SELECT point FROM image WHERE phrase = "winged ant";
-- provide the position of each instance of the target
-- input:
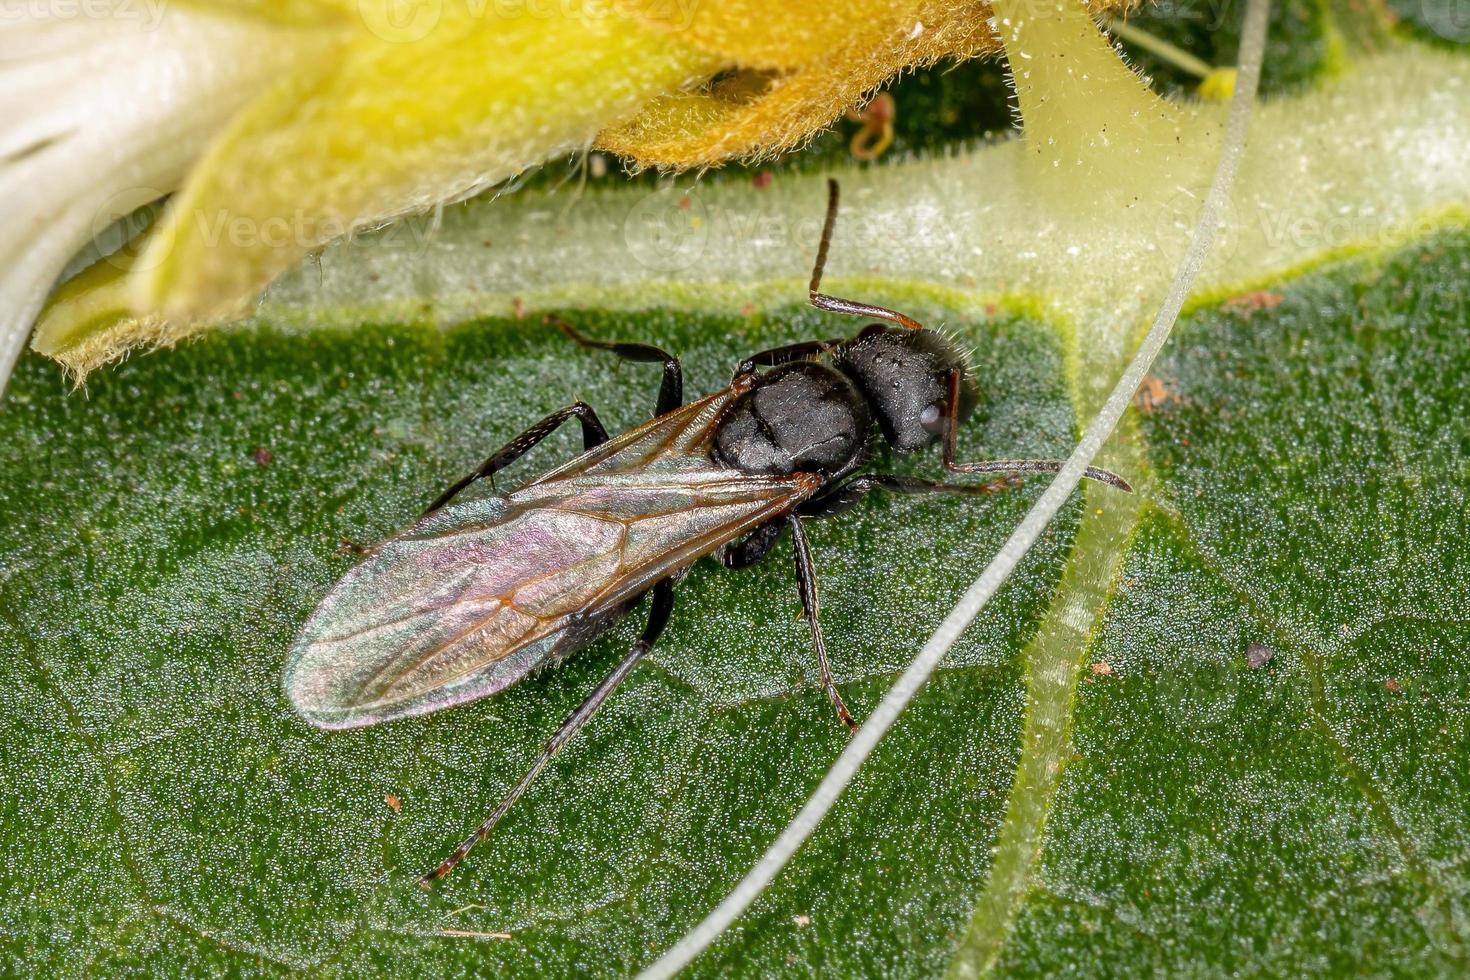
(474, 595)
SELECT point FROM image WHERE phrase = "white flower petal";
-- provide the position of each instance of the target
(104, 112)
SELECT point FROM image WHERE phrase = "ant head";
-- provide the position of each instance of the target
(904, 375)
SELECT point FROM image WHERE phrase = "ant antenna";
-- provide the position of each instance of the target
(835, 304)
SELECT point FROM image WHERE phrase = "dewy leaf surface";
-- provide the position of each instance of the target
(1306, 816)
(157, 571)
(165, 534)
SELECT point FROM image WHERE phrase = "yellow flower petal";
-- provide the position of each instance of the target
(391, 127)
(104, 113)
(873, 44)
(817, 61)
(408, 104)
(89, 320)
(760, 34)
(295, 12)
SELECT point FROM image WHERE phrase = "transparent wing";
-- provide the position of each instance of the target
(469, 600)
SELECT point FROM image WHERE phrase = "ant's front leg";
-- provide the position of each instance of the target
(951, 428)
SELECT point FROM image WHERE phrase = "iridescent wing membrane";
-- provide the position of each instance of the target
(471, 598)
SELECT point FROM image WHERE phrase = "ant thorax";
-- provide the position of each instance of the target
(799, 417)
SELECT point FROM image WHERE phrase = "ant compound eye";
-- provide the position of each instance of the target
(929, 415)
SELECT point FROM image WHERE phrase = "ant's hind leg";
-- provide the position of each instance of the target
(670, 390)
(658, 618)
(806, 580)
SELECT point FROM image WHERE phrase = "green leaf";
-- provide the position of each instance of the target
(157, 571)
(166, 533)
(166, 807)
(1310, 815)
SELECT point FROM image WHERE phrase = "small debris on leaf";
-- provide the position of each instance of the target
(1151, 393)
(802, 920)
(471, 934)
(1258, 655)
(1247, 304)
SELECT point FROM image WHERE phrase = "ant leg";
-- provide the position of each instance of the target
(753, 547)
(835, 304)
(806, 580)
(658, 618)
(593, 434)
(785, 354)
(843, 498)
(951, 427)
(670, 390)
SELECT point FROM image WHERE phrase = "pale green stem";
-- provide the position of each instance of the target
(1016, 547)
